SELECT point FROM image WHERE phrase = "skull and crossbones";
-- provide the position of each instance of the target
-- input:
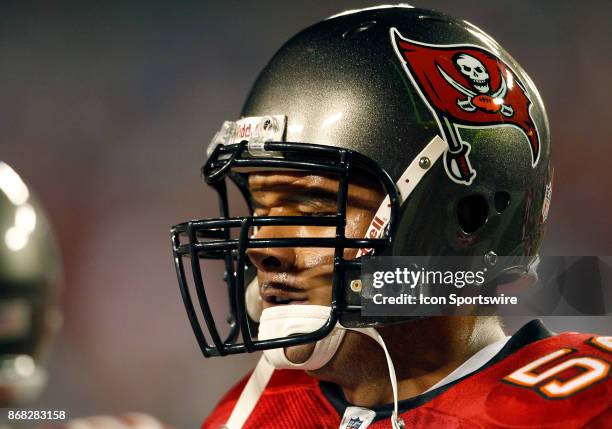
(475, 72)
(479, 95)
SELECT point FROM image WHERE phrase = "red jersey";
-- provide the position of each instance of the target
(538, 380)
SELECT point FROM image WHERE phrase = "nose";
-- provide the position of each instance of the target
(272, 258)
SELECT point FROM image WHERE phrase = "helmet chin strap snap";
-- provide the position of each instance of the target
(286, 320)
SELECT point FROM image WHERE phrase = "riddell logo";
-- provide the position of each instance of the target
(243, 131)
(376, 228)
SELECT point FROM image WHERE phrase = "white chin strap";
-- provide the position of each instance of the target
(285, 320)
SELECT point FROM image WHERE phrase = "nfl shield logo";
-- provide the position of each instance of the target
(354, 423)
(357, 418)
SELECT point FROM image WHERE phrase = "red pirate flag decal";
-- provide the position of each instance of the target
(466, 86)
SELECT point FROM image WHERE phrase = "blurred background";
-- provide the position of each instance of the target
(106, 110)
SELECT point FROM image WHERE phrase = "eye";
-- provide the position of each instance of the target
(478, 69)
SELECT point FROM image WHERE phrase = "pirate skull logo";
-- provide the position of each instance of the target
(474, 71)
(480, 96)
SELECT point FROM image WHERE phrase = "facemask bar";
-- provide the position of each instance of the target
(220, 245)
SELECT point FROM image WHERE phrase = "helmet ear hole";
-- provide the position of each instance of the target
(472, 212)
(502, 201)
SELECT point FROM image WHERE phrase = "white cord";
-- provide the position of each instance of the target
(250, 394)
(396, 421)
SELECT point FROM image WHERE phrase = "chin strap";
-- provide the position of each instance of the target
(396, 420)
(250, 394)
(286, 320)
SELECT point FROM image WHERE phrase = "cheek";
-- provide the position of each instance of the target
(314, 231)
(310, 257)
(320, 295)
(357, 222)
(314, 257)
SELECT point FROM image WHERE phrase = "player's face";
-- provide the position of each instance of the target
(289, 276)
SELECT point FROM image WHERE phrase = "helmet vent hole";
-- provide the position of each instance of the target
(502, 201)
(472, 212)
(358, 30)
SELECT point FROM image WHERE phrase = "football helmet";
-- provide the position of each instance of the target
(30, 276)
(430, 106)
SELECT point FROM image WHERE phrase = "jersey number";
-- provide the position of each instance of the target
(548, 383)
